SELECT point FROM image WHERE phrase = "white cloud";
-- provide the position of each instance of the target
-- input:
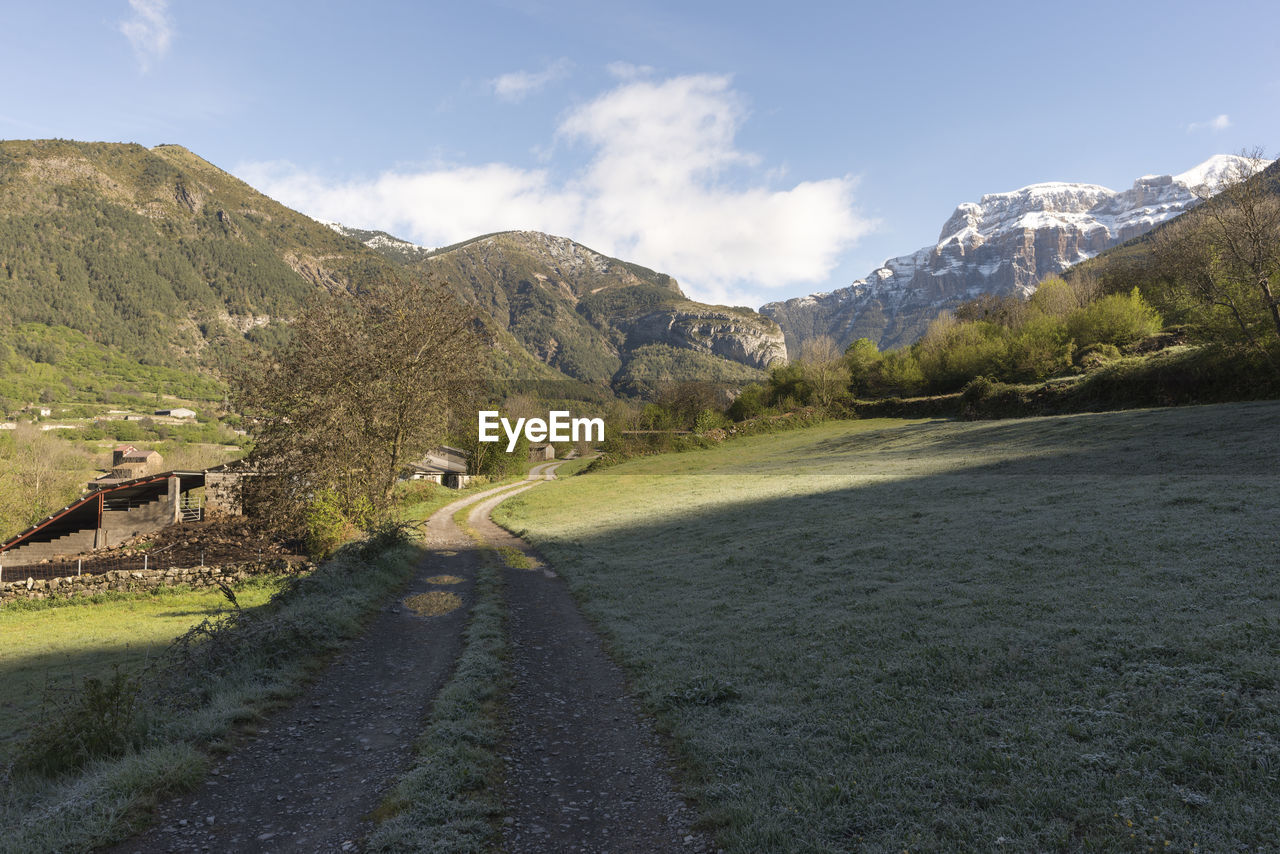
(627, 71)
(1217, 123)
(149, 30)
(663, 185)
(518, 84)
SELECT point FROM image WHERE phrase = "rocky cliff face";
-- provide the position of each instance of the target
(1003, 244)
(712, 330)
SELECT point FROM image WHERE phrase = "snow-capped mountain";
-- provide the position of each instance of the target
(382, 241)
(1003, 244)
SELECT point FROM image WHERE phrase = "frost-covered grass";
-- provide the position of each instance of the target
(48, 647)
(193, 696)
(1048, 634)
(449, 801)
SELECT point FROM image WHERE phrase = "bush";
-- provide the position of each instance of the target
(1096, 355)
(1040, 348)
(897, 373)
(952, 353)
(751, 402)
(861, 357)
(1118, 319)
(100, 721)
(708, 420)
(328, 526)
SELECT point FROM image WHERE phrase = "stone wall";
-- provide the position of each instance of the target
(134, 580)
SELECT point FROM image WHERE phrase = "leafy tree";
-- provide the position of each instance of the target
(951, 353)
(898, 373)
(1227, 254)
(1039, 348)
(1119, 319)
(861, 358)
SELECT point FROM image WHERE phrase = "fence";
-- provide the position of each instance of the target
(86, 566)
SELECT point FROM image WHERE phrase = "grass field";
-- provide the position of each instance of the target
(1047, 634)
(48, 650)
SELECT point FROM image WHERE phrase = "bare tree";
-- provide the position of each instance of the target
(367, 384)
(1239, 249)
(824, 370)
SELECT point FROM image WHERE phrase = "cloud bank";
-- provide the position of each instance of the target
(148, 30)
(664, 185)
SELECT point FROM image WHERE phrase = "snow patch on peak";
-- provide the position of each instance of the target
(1218, 169)
(378, 239)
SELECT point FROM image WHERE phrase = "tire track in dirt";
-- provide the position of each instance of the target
(313, 772)
(585, 771)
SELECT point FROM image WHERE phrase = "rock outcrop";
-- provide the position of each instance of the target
(728, 333)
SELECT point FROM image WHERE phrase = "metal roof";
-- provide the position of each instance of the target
(82, 513)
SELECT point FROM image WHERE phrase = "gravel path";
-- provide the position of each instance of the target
(585, 771)
(310, 776)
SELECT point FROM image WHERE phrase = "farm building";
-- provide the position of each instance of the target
(542, 453)
(180, 412)
(134, 497)
(128, 463)
(443, 465)
(113, 512)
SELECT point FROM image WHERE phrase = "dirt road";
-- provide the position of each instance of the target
(586, 773)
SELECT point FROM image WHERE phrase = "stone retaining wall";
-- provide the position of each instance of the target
(123, 579)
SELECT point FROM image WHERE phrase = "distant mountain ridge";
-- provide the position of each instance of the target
(594, 318)
(1003, 244)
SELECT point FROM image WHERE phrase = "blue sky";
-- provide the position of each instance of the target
(755, 151)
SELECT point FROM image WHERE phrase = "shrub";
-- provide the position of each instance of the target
(708, 420)
(1096, 355)
(952, 353)
(751, 402)
(1040, 348)
(100, 721)
(861, 357)
(897, 373)
(328, 526)
(1119, 319)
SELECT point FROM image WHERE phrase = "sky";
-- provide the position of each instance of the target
(755, 151)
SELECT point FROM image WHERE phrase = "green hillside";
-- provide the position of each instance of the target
(156, 253)
(159, 260)
(594, 318)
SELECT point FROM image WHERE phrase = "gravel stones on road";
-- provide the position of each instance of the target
(585, 772)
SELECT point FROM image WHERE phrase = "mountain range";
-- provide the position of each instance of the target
(1005, 243)
(159, 256)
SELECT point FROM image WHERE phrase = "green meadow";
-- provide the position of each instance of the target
(1045, 634)
(48, 650)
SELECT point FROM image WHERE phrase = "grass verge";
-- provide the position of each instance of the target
(100, 784)
(450, 801)
(1047, 634)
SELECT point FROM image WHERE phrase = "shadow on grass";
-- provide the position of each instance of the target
(1064, 635)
